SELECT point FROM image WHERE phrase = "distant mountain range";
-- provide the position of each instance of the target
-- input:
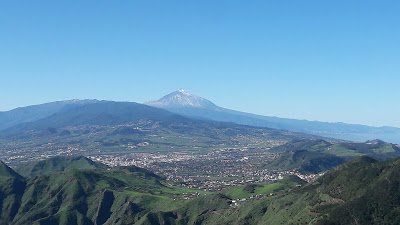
(111, 115)
(95, 112)
(187, 104)
(106, 127)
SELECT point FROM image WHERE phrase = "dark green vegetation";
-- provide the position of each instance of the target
(376, 148)
(124, 195)
(57, 164)
(240, 192)
(6, 171)
(305, 161)
(314, 156)
(361, 191)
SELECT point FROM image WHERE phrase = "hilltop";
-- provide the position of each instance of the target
(56, 165)
(379, 150)
(182, 98)
(123, 195)
(305, 161)
(7, 172)
(314, 156)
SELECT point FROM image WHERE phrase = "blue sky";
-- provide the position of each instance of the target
(316, 60)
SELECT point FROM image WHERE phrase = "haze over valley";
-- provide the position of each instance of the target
(199, 142)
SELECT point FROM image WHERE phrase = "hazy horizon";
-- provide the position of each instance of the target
(200, 96)
(323, 61)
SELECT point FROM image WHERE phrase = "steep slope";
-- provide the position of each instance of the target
(361, 191)
(6, 171)
(182, 98)
(35, 112)
(12, 187)
(184, 103)
(79, 196)
(371, 193)
(305, 161)
(56, 165)
(314, 156)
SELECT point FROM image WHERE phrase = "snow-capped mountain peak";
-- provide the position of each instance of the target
(181, 98)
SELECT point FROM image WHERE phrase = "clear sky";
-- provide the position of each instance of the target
(325, 60)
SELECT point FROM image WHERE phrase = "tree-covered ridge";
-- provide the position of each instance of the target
(376, 148)
(314, 156)
(6, 171)
(57, 164)
(305, 161)
(360, 191)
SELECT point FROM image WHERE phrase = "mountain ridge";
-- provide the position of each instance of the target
(338, 130)
(6, 171)
(186, 104)
(108, 126)
(344, 195)
(57, 164)
(36, 112)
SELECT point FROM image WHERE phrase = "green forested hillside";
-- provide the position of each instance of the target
(376, 148)
(314, 156)
(6, 171)
(305, 161)
(87, 196)
(57, 164)
(361, 191)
